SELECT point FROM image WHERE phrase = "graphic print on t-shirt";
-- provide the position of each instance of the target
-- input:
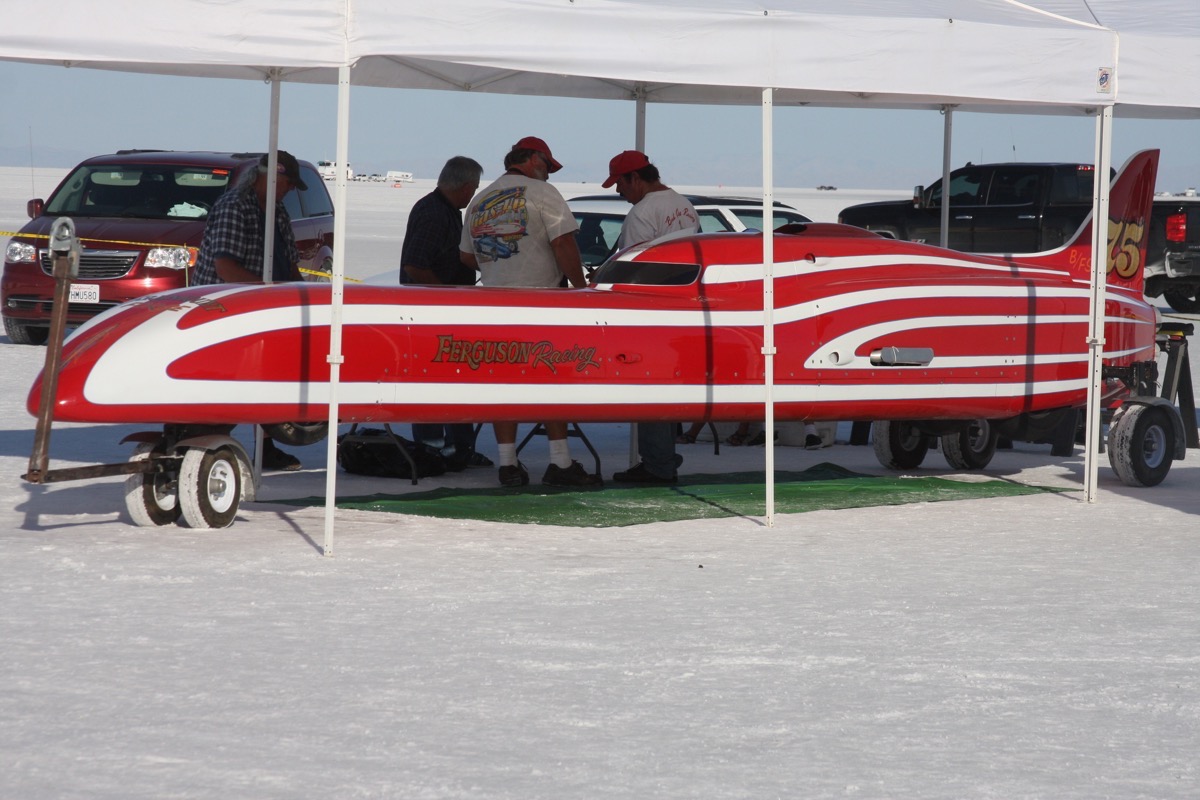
(498, 224)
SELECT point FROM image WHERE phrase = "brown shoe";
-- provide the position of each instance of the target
(514, 475)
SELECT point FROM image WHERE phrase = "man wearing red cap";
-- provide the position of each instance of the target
(657, 210)
(519, 231)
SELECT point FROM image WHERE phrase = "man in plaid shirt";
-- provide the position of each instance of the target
(232, 248)
(233, 244)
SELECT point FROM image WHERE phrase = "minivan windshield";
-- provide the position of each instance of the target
(142, 191)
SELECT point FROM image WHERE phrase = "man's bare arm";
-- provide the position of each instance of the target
(566, 255)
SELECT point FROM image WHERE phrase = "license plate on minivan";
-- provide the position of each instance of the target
(84, 293)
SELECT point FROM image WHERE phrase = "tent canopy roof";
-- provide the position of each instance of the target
(1043, 56)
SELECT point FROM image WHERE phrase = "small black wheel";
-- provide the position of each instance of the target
(297, 434)
(899, 444)
(151, 498)
(210, 487)
(972, 447)
(1140, 445)
(1183, 300)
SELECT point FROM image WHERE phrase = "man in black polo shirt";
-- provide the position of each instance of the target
(430, 256)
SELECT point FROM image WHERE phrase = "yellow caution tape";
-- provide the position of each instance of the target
(93, 239)
(303, 270)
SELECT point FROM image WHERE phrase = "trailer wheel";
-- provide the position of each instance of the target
(972, 447)
(1139, 445)
(210, 487)
(151, 498)
(899, 445)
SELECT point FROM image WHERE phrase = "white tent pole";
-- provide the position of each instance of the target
(1098, 285)
(768, 350)
(947, 142)
(639, 136)
(268, 271)
(268, 232)
(639, 143)
(338, 283)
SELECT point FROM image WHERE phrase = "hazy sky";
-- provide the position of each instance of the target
(55, 116)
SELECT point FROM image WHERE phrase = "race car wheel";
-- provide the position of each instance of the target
(1140, 445)
(899, 445)
(210, 487)
(972, 447)
(151, 498)
(297, 434)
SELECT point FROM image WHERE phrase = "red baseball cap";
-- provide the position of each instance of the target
(626, 161)
(534, 143)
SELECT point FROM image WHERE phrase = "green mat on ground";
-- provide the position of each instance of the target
(824, 486)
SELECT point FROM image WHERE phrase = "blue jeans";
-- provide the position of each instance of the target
(656, 446)
(458, 435)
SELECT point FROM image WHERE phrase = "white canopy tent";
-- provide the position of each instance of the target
(982, 55)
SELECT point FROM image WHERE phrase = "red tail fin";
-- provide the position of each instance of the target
(1129, 204)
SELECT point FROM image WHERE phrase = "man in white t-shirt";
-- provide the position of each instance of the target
(657, 210)
(519, 232)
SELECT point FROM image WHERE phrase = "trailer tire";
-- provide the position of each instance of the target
(210, 487)
(1140, 445)
(972, 447)
(899, 444)
(151, 498)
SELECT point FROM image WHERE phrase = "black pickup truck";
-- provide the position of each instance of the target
(994, 208)
(1173, 251)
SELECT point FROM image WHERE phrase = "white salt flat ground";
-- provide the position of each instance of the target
(1009, 648)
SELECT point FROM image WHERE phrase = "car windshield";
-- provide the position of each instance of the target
(149, 191)
(597, 236)
(752, 217)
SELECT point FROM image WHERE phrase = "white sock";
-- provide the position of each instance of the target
(560, 453)
(507, 454)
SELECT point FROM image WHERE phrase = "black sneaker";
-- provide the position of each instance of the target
(813, 442)
(573, 476)
(640, 474)
(477, 459)
(514, 475)
(276, 460)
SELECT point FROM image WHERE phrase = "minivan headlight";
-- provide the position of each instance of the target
(20, 253)
(171, 257)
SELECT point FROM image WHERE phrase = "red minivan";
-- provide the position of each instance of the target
(139, 216)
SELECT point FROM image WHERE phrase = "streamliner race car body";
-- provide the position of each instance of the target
(923, 341)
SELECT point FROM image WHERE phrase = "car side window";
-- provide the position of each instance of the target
(1013, 186)
(315, 200)
(967, 188)
(712, 221)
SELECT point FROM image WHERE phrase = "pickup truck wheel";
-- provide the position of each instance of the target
(899, 445)
(972, 447)
(1183, 300)
(1139, 446)
(22, 333)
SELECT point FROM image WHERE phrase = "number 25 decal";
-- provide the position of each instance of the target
(1124, 255)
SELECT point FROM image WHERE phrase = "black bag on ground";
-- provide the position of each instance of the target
(372, 451)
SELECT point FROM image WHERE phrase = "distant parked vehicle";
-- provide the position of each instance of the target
(140, 217)
(994, 208)
(1173, 251)
(600, 217)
